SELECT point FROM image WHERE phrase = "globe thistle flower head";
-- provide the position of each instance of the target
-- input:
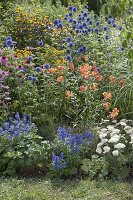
(30, 58)
(90, 22)
(74, 27)
(120, 28)
(68, 51)
(88, 19)
(70, 8)
(114, 25)
(85, 14)
(89, 30)
(40, 43)
(79, 50)
(69, 39)
(56, 22)
(84, 48)
(71, 20)
(80, 27)
(109, 21)
(68, 57)
(97, 23)
(74, 9)
(70, 15)
(106, 37)
(74, 22)
(84, 24)
(46, 66)
(105, 28)
(70, 44)
(86, 6)
(96, 30)
(38, 69)
(30, 77)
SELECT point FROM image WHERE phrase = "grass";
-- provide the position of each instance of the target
(44, 189)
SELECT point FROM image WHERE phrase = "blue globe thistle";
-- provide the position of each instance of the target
(90, 22)
(30, 77)
(120, 28)
(40, 43)
(56, 22)
(30, 58)
(106, 37)
(74, 27)
(79, 50)
(80, 27)
(70, 8)
(46, 66)
(96, 30)
(70, 44)
(74, 9)
(85, 14)
(84, 24)
(88, 19)
(114, 25)
(9, 43)
(34, 78)
(70, 15)
(65, 18)
(60, 26)
(109, 21)
(68, 57)
(89, 30)
(71, 20)
(97, 23)
(74, 22)
(84, 48)
(38, 69)
(80, 18)
(68, 51)
(69, 39)
(105, 28)
(86, 6)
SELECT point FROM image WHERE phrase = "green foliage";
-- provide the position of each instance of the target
(26, 151)
(95, 168)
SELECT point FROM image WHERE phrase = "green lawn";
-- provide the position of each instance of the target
(44, 189)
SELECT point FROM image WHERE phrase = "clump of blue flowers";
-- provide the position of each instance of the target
(73, 143)
(17, 126)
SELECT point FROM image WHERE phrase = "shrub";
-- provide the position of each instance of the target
(68, 151)
(116, 146)
(21, 147)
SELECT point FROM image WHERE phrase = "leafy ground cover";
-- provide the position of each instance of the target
(44, 189)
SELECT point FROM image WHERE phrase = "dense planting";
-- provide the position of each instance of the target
(68, 70)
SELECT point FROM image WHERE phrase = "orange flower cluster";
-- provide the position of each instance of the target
(94, 86)
(69, 94)
(107, 95)
(106, 105)
(83, 88)
(60, 79)
(114, 113)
